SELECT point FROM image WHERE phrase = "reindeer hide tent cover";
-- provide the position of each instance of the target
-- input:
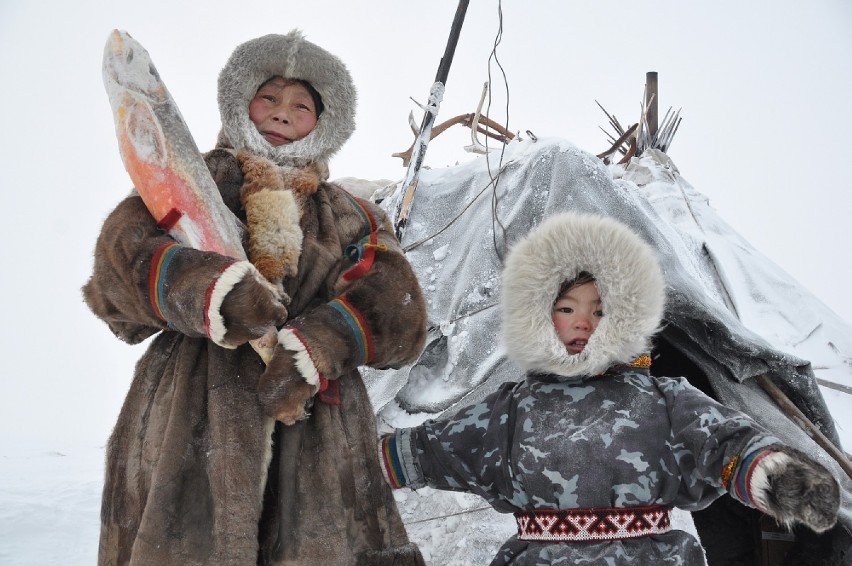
(732, 315)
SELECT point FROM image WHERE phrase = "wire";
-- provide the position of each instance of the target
(495, 199)
(420, 242)
(450, 515)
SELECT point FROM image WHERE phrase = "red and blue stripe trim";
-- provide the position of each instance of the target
(157, 281)
(742, 481)
(392, 462)
(358, 324)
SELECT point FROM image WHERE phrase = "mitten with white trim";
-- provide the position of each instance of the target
(251, 309)
(287, 387)
(791, 487)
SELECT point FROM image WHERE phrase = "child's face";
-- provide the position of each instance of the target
(576, 315)
(283, 112)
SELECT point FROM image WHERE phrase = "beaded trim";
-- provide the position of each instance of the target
(728, 471)
(570, 525)
(643, 361)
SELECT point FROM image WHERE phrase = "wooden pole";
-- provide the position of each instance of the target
(651, 98)
(797, 416)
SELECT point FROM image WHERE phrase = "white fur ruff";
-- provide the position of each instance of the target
(629, 280)
(770, 465)
(293, 57)
(221, 287)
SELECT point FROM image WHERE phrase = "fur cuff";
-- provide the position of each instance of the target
(766, 464)
(214, 324)
(290, 340)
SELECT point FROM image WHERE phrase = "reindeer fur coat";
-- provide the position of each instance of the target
(195, 472)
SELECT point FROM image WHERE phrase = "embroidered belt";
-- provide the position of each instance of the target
(593, 524)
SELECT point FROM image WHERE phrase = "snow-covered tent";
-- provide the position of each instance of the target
(732, 317)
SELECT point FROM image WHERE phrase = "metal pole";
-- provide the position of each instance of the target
(436, 94)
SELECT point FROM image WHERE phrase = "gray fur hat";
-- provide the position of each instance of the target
(628, 277)
(293, 57)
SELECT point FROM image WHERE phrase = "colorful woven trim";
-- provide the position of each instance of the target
(728, 471)
(360, 330)
(363, 253)
(394, 472)
(743, 477)
(568, 525)
(160, 262)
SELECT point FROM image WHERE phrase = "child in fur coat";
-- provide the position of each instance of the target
(591, 452)
(201, 468)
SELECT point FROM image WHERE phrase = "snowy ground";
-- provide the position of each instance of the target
(49, 506)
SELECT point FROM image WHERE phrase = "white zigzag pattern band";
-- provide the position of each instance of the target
(592, 524)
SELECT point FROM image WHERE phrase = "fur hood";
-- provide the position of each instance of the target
(629, 280)
(290, 56)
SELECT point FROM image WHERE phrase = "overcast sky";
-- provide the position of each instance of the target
(763, 86)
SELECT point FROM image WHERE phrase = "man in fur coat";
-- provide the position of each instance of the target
(590, 451)
(198, 470)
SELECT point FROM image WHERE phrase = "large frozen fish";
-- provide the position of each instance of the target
(163, 161)
(160, 154)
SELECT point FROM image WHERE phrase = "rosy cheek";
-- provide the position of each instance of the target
(255, 113)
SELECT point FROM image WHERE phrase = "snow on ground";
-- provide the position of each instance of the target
(49, 506)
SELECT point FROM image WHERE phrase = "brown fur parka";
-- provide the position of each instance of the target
(195, 472)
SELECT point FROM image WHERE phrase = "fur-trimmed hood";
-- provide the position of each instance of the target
(293, 57)
(629, 280)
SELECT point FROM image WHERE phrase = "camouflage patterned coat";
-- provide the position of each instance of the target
(592, 430)
(622, 439)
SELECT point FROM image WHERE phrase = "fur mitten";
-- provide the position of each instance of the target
(291, 379)
(251, 309)
(793, 488)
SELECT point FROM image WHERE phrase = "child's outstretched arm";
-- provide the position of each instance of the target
(468, 452)
(723, 450)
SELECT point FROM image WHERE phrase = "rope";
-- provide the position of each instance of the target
(495, 179)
